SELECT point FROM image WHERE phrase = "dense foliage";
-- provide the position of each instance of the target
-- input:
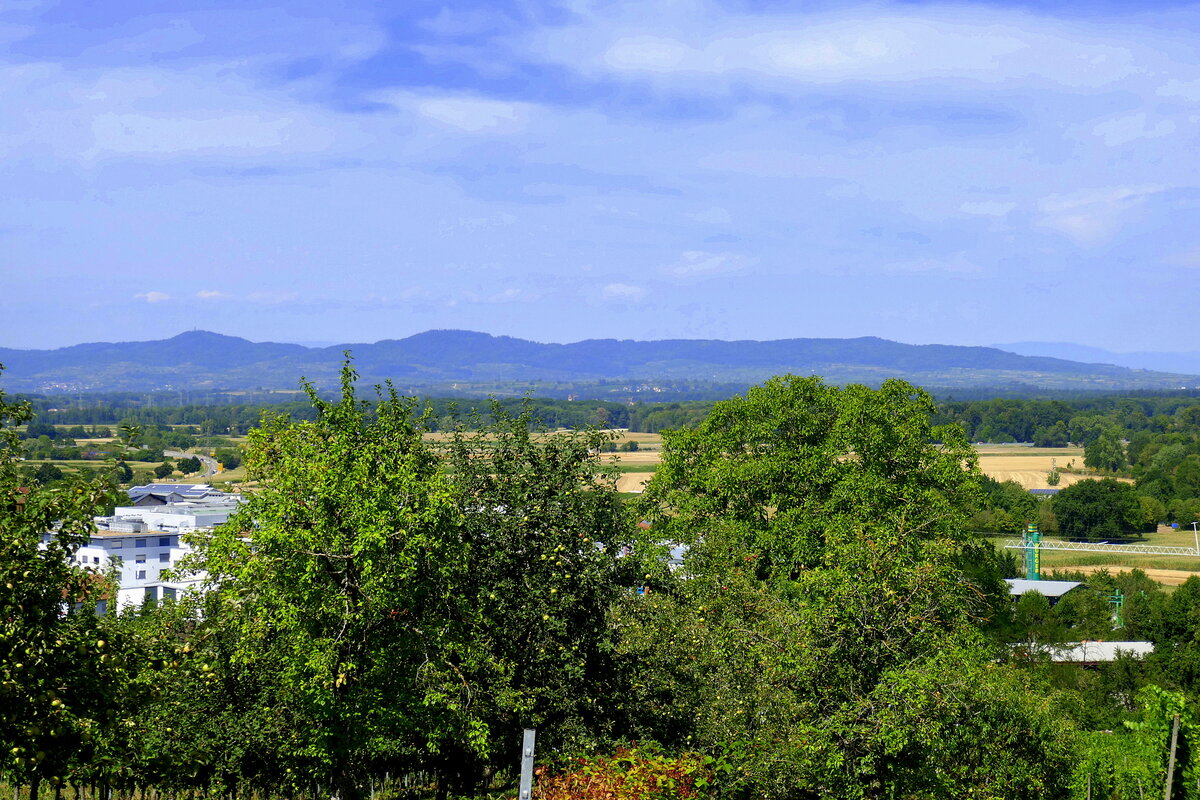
(390, 610)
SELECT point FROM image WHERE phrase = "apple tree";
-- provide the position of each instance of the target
(549, 540)
(337, 579)
(61, 666)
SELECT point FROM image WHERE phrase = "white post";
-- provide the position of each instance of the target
(1196, 536)
(527, 764)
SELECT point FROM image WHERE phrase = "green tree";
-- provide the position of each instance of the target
(60, 670)
(1106, 452)
(228, 457)
(346, 599)
(1163, 710)
(796, 460)
(1055, 435)
(164, 470)
(1098, 509)
(1035, 623)
(196, 718)
(37, 429)
(828, 631)
(546, 531)
(122, 472)
(131, 435)
(46, 473)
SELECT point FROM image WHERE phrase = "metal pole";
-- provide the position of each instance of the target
(527, 764)
(1171, 762)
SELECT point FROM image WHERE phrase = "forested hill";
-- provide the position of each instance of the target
(469, 362)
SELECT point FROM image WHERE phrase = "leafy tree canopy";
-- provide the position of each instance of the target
(59, 670)
(1098, 509)
(796, 461)
(828, 631)
(346, 595)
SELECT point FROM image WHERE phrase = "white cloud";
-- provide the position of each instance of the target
(153, 297)
(1189, 259)
(1121, 130)
(622, 291)
(1188, 90)
(141, 133)
(1090, 216)
(652, 53)
(713, 216)
(693, 38)
(958, 265)
(272, 298)
(987, 208)
(509, 295)
(699, 263)
(105, 112)
(475, 115)
(210, 294)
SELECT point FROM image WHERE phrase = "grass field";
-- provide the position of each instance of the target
(1167, 570)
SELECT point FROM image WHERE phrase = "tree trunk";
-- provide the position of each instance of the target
(347, 788)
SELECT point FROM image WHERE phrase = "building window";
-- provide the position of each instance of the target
(118, 544)
(141, 559)
(164, 541)
(164, 558)
(95, 559)
(139, 543)
(141, 574)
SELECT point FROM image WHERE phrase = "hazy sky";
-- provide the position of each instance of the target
(353, 171)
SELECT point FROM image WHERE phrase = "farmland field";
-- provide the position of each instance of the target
(1029, 466)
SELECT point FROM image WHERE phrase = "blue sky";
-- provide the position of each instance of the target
(340, 172)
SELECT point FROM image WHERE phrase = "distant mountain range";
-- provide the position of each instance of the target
(1184, 363)
(463, 362)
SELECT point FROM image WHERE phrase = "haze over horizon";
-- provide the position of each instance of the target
(952, 173)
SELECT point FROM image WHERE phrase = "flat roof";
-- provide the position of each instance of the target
(171, 487)
(1096, 652)
(107, 534)
(1019, 586)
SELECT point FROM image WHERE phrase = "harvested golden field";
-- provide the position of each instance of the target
(1029, 466)
(1163, 577)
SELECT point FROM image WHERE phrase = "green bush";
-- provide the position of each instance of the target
(632, 773)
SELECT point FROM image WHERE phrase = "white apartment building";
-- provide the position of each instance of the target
(145, 541)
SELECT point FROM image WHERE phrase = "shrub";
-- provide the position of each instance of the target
(633, 773)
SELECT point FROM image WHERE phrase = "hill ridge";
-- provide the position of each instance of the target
(214, 361)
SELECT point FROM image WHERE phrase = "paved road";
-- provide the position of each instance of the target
(209, 463)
